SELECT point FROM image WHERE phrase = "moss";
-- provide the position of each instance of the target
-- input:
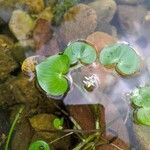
(60, 8)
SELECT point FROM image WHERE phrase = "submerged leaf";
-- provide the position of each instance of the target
(143, 116)
(141, 97)
(81, 51)
(51, 74)
(37, 145)
(122, 56)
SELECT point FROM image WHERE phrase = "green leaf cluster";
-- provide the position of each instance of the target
(52, 72)
(141, 99)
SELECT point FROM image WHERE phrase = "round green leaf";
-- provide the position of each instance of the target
(122, 56)
(80, 51)
(51, 74)
(143, 116)
(141, 97)
(39, 145)
(58, 123)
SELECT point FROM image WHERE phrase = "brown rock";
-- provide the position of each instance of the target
(79, 22)
(7, 64)
(50, 48)
(85, 117)
(42, 33)
(45, 122)
(100, 40)
(118, 144)
(25, 91)
(22, 136)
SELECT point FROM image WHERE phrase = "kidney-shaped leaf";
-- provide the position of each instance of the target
(51, 74)
(80, 51)
(141, 97)
(122, 57)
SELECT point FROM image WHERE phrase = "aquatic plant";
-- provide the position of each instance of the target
(141, 99)
(39, 145)
(60, 8)
(122, 57)
(51, 74)
(13, 127)
(80, 51)
(58, 123)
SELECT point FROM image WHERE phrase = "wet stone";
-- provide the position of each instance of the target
(86, 119)
(22, 136)
(142, 134)
(25, 91)
(42, 35)
(21, 24)
(35, 6)
(45, 122)
(131, 18)
(105, 9)
(100, 40)
(79, 22)
(7, 65)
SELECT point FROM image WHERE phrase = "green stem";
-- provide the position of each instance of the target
(13, 126)
(61, 137)
(87, 140)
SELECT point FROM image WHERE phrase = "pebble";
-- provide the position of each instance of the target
(21, 24)
(79, 22)
(100, 40)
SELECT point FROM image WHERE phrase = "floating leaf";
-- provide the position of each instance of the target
(58, 123)
(80, 51)
(122, 57)
(141, 97)
(39, 145)
(143, 116)
(51, 74)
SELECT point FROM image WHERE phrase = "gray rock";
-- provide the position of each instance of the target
(142, 133)
(130, 2)
(79, 22)
(105, 9)
(131, 18)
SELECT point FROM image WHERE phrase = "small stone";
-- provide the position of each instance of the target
(143, 136)
(22, 136)
(79, 22)
(46, 14)
(106, 27)
(21, 24)
(130, 2)
(25, 91)
(35, 6)
(105, 9)
(7, 64)
(42, 122)
(131, 18)
(42, 35)
(100, 40)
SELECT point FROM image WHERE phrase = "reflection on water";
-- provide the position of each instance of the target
(124, 20)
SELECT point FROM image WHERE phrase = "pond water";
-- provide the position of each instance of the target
(44, 28)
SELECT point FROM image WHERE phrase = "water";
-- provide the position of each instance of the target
(123, 20)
